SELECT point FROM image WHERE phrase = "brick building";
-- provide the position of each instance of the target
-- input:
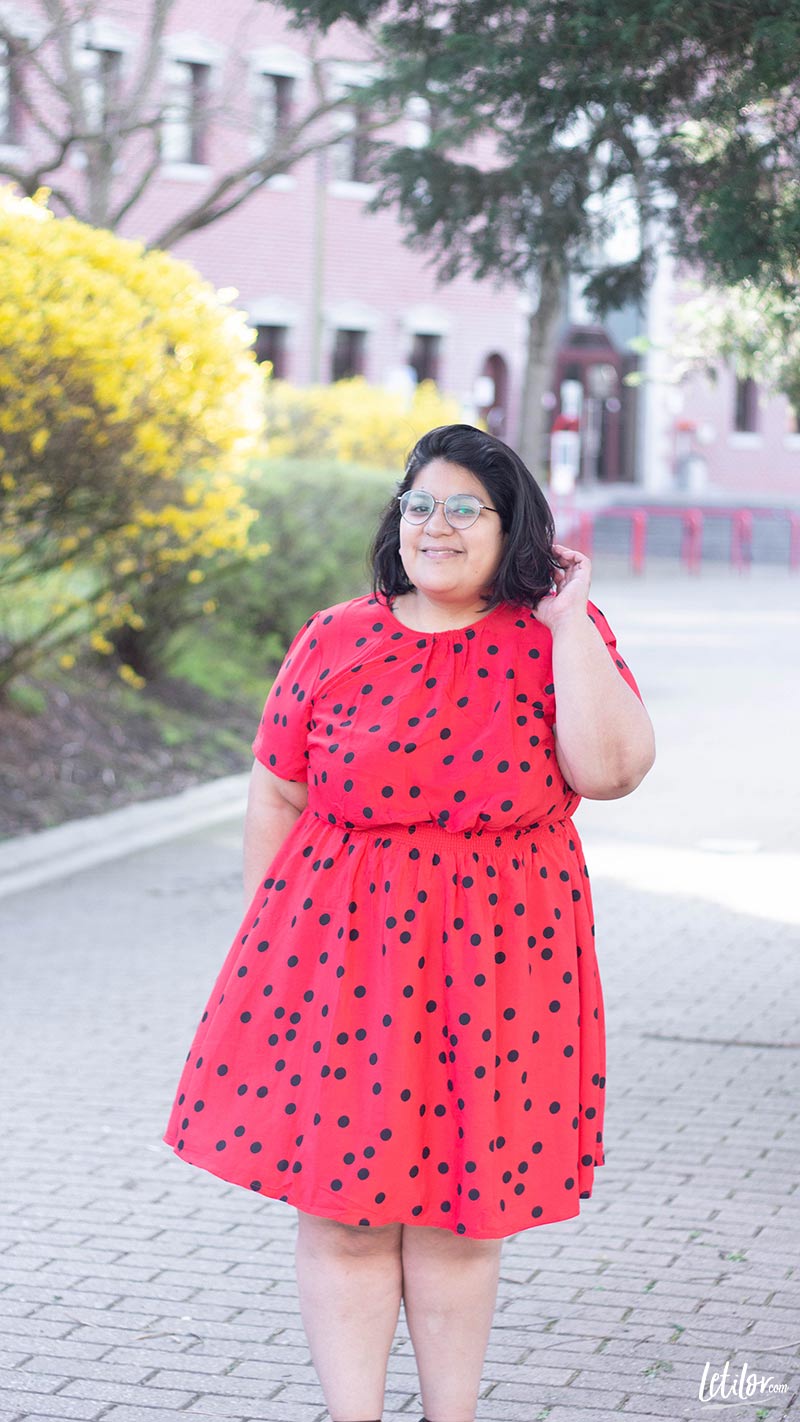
(332, 289)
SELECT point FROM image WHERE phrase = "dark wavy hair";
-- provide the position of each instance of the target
(525, 573)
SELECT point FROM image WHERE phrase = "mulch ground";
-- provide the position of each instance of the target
(91, 750)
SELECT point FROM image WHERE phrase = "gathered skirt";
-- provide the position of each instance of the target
(408, 1027)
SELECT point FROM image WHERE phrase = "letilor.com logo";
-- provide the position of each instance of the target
(736, 1384)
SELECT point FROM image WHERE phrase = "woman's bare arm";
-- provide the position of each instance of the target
(273, 806)
(605, 743)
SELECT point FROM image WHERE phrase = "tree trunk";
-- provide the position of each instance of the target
(543, 330)
(99, 176)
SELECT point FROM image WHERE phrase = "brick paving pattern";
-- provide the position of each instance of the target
(135, 1288)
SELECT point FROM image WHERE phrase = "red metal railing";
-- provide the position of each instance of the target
(742, 520)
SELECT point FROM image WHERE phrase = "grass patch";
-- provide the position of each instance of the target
(174, 735)
(27, 699)
(223, 661)
(27, 606)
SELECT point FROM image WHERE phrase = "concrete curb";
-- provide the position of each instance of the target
(49, 854)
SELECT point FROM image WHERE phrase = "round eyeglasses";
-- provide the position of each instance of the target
(460, 510)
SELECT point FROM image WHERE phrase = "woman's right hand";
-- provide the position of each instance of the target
(571, 593)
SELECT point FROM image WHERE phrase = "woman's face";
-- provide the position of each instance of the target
(449, 564)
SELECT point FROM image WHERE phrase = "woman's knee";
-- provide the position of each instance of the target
(329, 1236)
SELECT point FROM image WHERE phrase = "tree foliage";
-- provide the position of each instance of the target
(689, 106)
(556, 124)
(756, 329)
(130, 398)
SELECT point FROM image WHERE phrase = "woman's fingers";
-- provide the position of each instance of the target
(571, 553)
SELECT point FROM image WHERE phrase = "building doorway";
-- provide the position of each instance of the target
(587, 358)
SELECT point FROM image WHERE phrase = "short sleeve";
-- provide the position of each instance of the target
(611, 642)
(280, 742)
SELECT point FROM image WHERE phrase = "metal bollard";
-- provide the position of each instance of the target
(638, 540)
(794, 542)
(582, 533)
(742, 539)
(691, 551)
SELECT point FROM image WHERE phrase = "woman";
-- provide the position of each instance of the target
(406, 1040)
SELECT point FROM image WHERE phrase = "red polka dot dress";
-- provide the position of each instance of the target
(409, 1024)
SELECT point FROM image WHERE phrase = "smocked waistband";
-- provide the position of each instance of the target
(435, 836)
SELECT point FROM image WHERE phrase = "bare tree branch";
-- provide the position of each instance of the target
(249, 177)
(54, 93)
(139, 188)
(62, 27)
(151, 59)
(30, 179)
(26, 57)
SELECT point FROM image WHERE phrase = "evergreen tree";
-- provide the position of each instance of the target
(549, 120)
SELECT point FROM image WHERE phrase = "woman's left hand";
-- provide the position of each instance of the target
(571, 592)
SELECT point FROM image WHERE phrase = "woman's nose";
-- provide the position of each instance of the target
(437, 523)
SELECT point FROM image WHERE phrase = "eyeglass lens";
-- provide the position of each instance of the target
(460, 509)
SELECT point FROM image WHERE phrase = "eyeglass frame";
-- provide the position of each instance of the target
(421, 523)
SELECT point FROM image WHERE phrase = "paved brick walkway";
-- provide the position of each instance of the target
(134, 1288)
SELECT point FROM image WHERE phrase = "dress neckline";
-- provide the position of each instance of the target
(444, 631)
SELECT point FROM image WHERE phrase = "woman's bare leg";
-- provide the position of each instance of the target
(349, 1279)
(449, 1291)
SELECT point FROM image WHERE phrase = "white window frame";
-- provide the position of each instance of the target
(425, 320)
(352, 316)
(27, 28)
(275, 311)
(10, 145)
(281, 62)
(89, 39)
(88, 62)
(190, 48)
(417, 115)
(349, 330)
(345, 75)
(424, 334)
(745, 439)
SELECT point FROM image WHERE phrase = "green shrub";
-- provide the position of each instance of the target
(319, 520)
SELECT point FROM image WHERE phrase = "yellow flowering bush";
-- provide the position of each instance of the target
(130, 399)
(353, 421)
